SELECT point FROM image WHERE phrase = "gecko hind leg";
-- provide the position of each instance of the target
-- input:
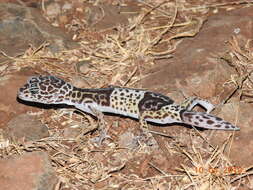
(145, 136)
(143, 124)
(191, 102)
(102, 127)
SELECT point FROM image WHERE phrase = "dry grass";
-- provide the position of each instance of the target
(240, 57)
(79, 164)
(211, 170)
(120, 58)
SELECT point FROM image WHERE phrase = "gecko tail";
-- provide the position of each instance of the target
(204, 120)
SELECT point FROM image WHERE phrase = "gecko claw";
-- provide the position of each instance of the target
(102, 136)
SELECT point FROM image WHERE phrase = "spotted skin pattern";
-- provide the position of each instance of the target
(135, 103)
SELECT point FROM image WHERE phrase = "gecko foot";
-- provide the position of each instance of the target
(145, 137)
(102, 127)
(102, 136)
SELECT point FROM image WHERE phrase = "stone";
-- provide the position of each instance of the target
(22, 26)
(196, 66)
(108, 16)
(240, 114)
(28, 127)
(197, 69)
(9, 106)
(30, 171)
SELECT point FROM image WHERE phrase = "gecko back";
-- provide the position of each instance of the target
(46, 90)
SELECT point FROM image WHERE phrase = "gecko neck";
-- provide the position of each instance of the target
(89, 96)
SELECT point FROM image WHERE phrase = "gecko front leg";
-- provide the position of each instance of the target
(102, 127)
(143, 123)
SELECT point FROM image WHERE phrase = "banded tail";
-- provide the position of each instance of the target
(204, 120)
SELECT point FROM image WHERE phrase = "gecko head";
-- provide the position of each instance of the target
(45, 89)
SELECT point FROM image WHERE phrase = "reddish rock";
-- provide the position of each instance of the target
(28, 127)
(240, 115)
(24, 26)
(9, 106)
(110, 17)
(29, 171)
(196, 67)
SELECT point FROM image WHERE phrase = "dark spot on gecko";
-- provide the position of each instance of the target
(102, 96)
(176, 109)
(196, 123)
(73, 95)
(210, 122)
(49, 88)
(205, 117)
(61, 97)
(218, 119)
(54, 91)
(49, 97)
(122, 94)
(157, 117)
(189, 115)
(44, 93)
(79, 94)
(227, 127)
(218, 126)
(165, 115)
(69, 86)
(65, 88)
